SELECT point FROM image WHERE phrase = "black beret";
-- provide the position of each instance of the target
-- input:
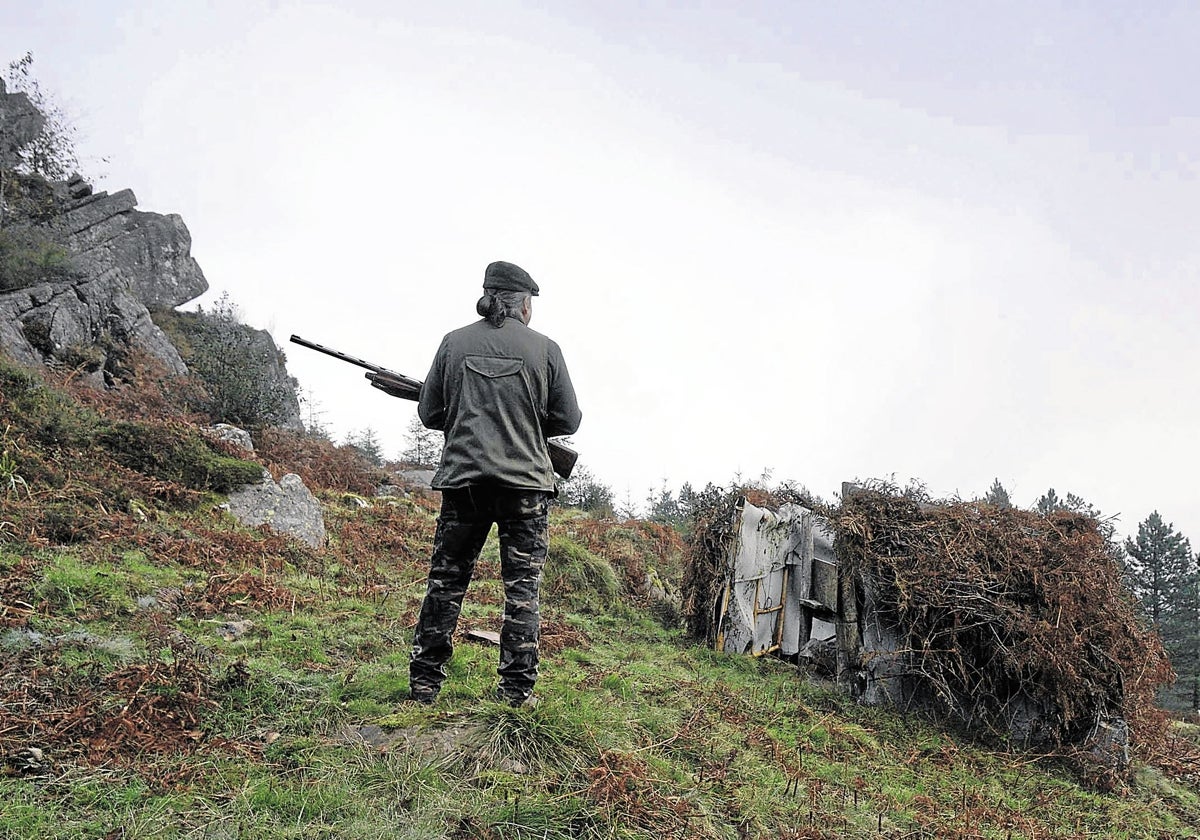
(509, 277)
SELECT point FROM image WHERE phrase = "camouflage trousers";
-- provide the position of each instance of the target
(466, 518)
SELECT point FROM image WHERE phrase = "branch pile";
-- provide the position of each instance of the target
(1004, 610)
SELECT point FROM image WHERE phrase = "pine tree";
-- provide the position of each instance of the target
(1048, 503)
(424, 445)
(1163, 575)
(1159, 561)
(366, 441)
(998, 496)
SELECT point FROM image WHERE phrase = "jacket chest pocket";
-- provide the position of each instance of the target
(494, 367)
(496, 386)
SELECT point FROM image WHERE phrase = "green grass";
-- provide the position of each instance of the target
(72, 586)
(646, 737)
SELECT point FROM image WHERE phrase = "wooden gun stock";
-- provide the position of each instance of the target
(562, 457)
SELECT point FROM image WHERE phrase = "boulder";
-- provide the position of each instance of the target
(231, 434)
(86, 320)
(416, 479)
(287, 507)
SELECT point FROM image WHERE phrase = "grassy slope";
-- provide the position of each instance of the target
(160, 720)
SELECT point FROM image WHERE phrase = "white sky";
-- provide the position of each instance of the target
(952, 242)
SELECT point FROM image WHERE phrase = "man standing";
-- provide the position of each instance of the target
(497, 389)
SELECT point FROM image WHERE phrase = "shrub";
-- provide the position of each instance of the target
(241, 368)
(320, 462)
(29, 257)
(176, 453)
(45, 413)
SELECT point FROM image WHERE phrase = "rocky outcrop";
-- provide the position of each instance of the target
(148, 253)
(92, 270)
(92, 322)
(122, 262)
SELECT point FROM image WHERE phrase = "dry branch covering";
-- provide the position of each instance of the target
(1003, 608)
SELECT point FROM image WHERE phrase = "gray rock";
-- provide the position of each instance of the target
(148, 253)
(20, 123)
(77, 187)
(231, 631)
(69, 319)
(232, 434)
(287, 508)
(416, 478)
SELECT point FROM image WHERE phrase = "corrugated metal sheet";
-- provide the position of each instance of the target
(781, 582)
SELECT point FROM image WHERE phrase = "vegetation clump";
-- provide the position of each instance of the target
(177, 453)
(28, 257)
(239, 366)
(1006, 613)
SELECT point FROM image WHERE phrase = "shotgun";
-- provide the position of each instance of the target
(562, 457)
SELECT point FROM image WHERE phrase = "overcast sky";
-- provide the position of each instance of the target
(948, 241)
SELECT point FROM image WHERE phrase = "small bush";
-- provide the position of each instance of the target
(176, 453)
(15, 379)
(67, 522)
(29, 257)
(242, 370)
(47, 415)
(320, 462)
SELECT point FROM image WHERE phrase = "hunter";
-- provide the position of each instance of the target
(497, 390)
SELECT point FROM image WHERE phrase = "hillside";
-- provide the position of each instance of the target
(165, 672)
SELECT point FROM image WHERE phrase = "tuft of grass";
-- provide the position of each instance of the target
(578, 579)
(547, 739)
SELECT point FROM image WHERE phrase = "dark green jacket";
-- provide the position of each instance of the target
(498, 393)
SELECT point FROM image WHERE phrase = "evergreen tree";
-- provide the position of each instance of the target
(424, 445)
(366, 441)
(663, 507)
(1163, 574)
(1159, 562)
(1187, 662)
(1048, 503)
(998, 496)
(586, 492)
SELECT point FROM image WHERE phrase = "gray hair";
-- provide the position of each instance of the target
(498, 304)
